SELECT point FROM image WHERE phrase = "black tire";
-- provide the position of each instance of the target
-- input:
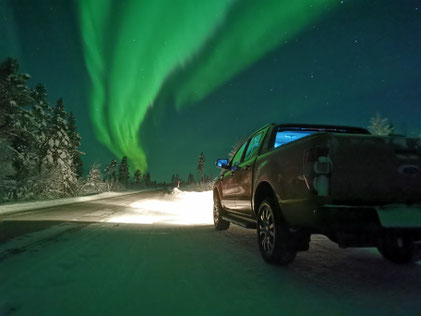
(273, 235)
(397, 249)
(219, 223)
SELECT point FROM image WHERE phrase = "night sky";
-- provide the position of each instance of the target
(162, 81)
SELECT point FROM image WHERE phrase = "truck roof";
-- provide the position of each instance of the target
(325, 128)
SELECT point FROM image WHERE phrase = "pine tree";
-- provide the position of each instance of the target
(190, 178)
(25, 143)
(147, 178)
(174, 179)
(7, 171)
(111, 171)
(380, 126)
(14, 95)
(42, 113)
(35, 137)
(123, 171)
(137, 177)
(17, 130)
(201, 165)
(235, 147)
(58, 157)
(94, 181)
(74, 145)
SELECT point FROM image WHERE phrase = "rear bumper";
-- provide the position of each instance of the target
(351, 226)
(387, 216)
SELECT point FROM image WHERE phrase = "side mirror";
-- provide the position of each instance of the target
(222, 163)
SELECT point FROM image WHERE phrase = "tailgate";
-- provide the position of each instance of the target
(375, 170)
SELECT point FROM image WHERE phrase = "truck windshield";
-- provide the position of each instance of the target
(284, 137)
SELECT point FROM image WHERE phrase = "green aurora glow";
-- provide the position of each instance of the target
(133, 47)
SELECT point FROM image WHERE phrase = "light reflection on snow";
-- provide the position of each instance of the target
(178, 208)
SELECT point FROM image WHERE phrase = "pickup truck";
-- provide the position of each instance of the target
(291, 181)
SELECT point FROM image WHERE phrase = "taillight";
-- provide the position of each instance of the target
(317, 168)
(322, 169)
(322, 165)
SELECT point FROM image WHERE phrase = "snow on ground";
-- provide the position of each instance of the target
(178, 207)
(33, 205)
(80, 264)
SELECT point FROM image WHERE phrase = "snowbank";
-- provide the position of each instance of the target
(29, 206)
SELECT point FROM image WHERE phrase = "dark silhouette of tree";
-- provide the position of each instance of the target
(123, 171)
(174, 179)
(190, 178)
(201, 165)
(147, 178)
(111, 171)
(137, 177)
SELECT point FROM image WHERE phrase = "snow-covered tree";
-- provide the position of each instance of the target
(74, 145)
(42, 113)
(25, 144)
(380, 126)
(123, 171)
(16, 122)
(8, 182)
(235, 147)
(94, 176)
(58, 155)
(94, 182)
(37, 153)
(14, 95)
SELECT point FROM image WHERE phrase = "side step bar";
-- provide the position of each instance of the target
(240, 221)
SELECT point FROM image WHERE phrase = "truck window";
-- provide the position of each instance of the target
(238, 155)
(253, 146)
(284, 137)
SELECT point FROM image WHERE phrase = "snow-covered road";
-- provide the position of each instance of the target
(155, 254)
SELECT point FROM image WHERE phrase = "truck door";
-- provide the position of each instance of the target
(229, 186)
(244, 175)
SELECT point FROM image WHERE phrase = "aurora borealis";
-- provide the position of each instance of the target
(163, 81)
(132, 47)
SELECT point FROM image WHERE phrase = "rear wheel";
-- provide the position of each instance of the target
(397, 248)
(218, 221)
(275, 239)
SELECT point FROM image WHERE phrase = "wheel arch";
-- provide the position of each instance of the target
(264, 190)
(216, 193)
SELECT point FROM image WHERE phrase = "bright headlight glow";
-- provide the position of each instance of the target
(178, 208)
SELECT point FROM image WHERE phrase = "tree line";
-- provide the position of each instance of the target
(192, 181)
(39, 142)
(39, 146)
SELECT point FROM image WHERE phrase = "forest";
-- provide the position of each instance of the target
(40, 156)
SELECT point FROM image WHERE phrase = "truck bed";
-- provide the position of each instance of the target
(374, 170)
